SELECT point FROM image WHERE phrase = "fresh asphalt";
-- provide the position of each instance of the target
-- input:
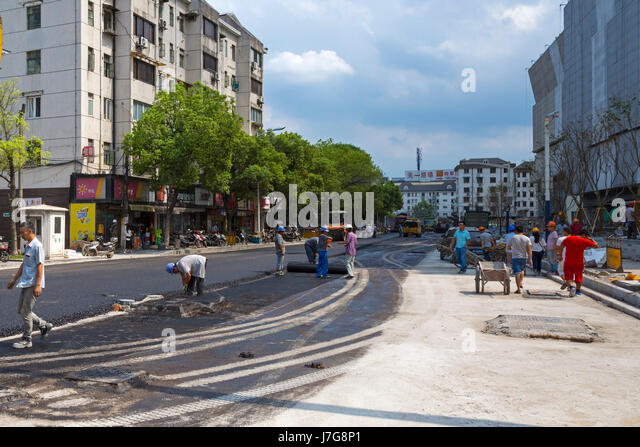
(80, 290)
(282, 321)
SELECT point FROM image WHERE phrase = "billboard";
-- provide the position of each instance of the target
(138, 190)
(90, 188)
(82, 222)
(430, 176)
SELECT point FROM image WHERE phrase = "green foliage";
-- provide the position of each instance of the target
(422, 210)
(388, 199)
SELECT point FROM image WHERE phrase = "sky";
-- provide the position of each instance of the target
(391, 76)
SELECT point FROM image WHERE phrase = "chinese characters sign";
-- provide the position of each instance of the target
(430, 176)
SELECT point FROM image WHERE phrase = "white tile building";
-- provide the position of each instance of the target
(480, 181)
(441, 196)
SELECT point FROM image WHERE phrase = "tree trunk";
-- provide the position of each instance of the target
(12, 195)
(167, 221)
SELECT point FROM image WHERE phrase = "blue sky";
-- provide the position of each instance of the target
(387, 75)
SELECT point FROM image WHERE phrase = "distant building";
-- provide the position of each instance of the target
(485, 184)
(527, 204)
(441, 195)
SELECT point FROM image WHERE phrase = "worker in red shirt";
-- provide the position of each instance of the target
(574, 260)
(576, 228)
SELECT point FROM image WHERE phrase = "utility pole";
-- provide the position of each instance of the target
(419, 157)
(125, 205)
(547, 165)
(258, 213)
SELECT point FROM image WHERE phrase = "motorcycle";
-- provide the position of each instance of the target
(4, 250)
(101, 248)
(198, 238)
(241, 238)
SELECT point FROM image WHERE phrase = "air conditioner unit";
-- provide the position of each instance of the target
(162, 25)
(143, 42)
(261, 100)
(253, 66)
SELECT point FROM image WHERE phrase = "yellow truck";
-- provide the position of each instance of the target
(412, 227)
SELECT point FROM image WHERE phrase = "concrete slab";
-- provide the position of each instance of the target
(106, 375)
(531, 326)
(545, 294)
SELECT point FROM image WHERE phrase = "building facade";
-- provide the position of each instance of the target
(440, 195)
(89, 69)
(485, 184)
(596, 58)
(527, 199)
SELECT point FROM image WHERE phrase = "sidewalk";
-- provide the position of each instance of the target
(433, 364)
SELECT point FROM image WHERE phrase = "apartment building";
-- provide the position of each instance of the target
(527, 199)
(485, 184)
(89, 69)
(440, 195)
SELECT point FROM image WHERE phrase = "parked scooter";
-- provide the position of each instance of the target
(4, 250)
(101, 248)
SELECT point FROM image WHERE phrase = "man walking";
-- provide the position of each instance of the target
(324, 240)
(30, 279)
(350, 251)
(487, 242)
(461, 239)
(520, 246)
(574, 260)
(552, 240)
(280, 251)
(507, 241)
(311, 248)
(560, 254)
(575, 228)
(193, 270)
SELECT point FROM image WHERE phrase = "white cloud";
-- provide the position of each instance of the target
(525, 17)
(309, 67)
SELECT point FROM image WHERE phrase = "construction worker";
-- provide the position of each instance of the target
(192, 269)
(311, 248)
(323, 256)
(280, 250)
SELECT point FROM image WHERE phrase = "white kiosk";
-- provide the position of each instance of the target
(49, 222)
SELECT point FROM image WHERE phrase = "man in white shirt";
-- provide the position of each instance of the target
(193, 270)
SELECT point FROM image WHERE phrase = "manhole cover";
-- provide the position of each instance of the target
(529, 326)
(111, 376)
(545, 294)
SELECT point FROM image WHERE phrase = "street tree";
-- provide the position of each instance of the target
(17, 152)
(422, 210)
(388, 200)
(186, 138)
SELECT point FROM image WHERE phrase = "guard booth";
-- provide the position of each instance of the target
(49, 222)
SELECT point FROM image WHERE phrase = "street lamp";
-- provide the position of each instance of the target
(547, 163)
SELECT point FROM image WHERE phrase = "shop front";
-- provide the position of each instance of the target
(90, 214)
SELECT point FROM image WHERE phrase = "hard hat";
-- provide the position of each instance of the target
(170, 267)
(481, 229)
(551, 224)
(323, 229)
(281, 229)
(535, 230)
(512, 228)
(348, 227)
(576, 221)
(115, 221)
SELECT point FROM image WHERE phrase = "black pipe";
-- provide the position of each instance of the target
(303, 267)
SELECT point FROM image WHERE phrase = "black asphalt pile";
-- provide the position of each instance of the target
(301, 267)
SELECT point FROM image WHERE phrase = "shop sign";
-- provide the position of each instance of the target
(138, 190)
(203, 197)
(90, 188)
(185, 197)
(82, 222)
(32, 202)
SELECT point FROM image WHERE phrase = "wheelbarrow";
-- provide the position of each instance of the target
(490, 272)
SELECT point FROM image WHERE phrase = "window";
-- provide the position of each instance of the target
(107, 19)
(33, 62)
(181, 58)
(138, 109)
(144, 72)
(33, 107)
(181, 23)
(256, 116)
(467, 179)
(57, 225)
(466, 171)
(171, 15)
(145, 29)
(90, 16)
(108, 66)
(33, 17)
(91, 61)
(492, 180)
(210, 29)
(256, 87)
(226, 79)
(493, 170)
(161, 52)
(209, 62)
(90, 105)
(234, 83)
(256, 57)
(172, 54)
(107, 154)
(160, 11)
(107, 108)
(233, 53)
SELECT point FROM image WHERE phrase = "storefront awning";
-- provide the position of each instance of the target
(142, 208)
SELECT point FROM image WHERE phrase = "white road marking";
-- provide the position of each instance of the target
(272, 366)
(289, 353)
(152, 343)
(209, 404)
(360, 286)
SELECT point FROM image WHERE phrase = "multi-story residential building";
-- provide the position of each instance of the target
(89, 69)
(485, 184)
(527, 203)
(440, 195)
(596, 58)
